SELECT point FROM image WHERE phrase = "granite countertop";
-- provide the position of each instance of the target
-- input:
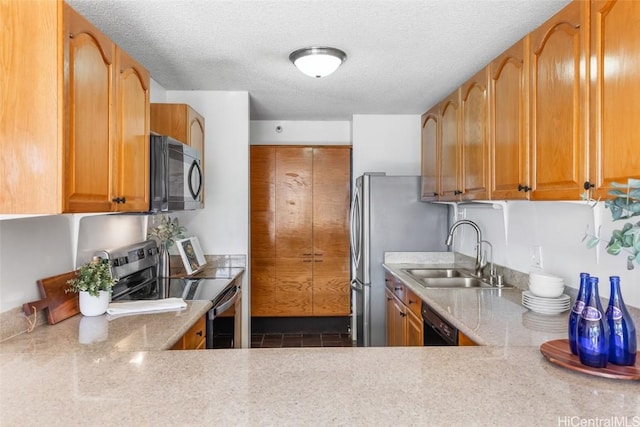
(106, 334)
(381, 386)
(488, 316)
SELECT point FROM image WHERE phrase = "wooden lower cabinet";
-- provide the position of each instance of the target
(404, 320)
(194, 338)
(464, 340)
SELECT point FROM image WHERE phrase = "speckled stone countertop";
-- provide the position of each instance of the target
(53, 377)
(106, 334)
(488, 316)
(418, 386)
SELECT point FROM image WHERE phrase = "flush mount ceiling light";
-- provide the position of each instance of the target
(317, 61)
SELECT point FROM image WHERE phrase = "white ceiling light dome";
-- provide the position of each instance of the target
(317, 61)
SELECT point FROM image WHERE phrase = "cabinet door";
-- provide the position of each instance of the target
(396, 325)
(557, 99)
(390, 309)
(331, 191)
(131, 168)
(263, 201)
(414, 332)
(474, 155)
(508, 125)
(30, 120)
(294, 202)
(263, 229)
(450, 147)
(429, 162)
(294, 292)
(89, 116)
(615, 85)
(196, 130)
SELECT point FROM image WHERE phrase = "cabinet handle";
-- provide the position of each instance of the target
(403, 314)
(318, 254)
(435, 194)
(457, 192)
(119, 200)
(318, 260)
(588, 185)
(411, 302)
(307, 260)
(524, 188)
(397, 288)
(199, 333)
(307, 254)
(388, 299)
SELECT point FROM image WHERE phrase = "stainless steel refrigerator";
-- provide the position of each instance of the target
(387, 216)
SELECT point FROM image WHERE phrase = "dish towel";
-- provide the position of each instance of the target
(146, 306)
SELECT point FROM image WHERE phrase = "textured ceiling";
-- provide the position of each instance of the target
(403, 56)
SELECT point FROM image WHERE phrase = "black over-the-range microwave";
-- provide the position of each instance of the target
(176, 175)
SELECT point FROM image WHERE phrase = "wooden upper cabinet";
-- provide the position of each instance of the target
(179, 121)
(31, 122)
(508, 104)
(89, 116)
(131, 168)
(615, 84)
(75, 120)
(429, 152)
(450, 186)
(558, 96)
(475, 137)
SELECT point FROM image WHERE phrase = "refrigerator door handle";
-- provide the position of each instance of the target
(357, 286)
(355, 227)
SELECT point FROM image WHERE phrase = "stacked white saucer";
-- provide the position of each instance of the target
(545, 294)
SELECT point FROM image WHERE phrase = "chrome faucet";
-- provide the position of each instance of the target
(479, 261)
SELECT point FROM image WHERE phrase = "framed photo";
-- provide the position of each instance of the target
(191, 254)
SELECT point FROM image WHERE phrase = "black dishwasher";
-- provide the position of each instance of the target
(437, 331)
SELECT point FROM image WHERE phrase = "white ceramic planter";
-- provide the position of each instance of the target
(94, 306)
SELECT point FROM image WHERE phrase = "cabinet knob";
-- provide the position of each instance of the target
(435, 194)
(397, 288)
(588, 185)
(524, 188)
(411, 302)
(199, 333)
(119, 200)
(457, 192)
(403, 314)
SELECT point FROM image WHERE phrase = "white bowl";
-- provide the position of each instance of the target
(544, 277)
(552, 291)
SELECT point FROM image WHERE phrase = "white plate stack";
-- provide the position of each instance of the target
(545, 294)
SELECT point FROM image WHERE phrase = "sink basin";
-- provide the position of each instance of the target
(420, 273)
(447, 278)
(452, 282)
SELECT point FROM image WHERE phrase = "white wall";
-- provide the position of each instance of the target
(558, 229)
(386, 143)
(157, 92)
(286, 132)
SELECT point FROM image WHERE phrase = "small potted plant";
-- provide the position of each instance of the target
(93, 283)
(624, 206)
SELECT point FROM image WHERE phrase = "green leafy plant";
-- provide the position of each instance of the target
(92, 277)
(625, 205)
(167, 231)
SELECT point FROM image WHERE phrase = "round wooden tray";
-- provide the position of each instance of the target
(558, 352)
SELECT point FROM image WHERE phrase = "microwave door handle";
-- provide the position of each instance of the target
(195, 165)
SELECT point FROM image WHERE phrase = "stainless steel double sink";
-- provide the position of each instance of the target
(447, 278)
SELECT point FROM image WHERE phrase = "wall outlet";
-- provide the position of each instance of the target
(536, 256)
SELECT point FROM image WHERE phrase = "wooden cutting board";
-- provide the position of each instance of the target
(60, 305)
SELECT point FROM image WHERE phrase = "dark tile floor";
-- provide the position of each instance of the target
(278, 340)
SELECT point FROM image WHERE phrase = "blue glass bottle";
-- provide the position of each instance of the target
(622, 339)
(593, 330)
(574, 316)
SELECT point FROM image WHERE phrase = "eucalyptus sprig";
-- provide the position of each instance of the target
(625, 205)
(167, 231)
(93, 277)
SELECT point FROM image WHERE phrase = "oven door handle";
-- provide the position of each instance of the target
(224, 306)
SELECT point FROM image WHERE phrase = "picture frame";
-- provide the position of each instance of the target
(191, 254)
